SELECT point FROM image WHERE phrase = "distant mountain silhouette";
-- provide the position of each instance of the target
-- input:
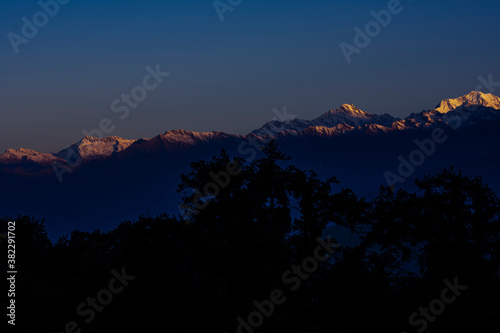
(118, 179)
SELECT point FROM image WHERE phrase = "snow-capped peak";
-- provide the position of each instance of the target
(474, 98)
(90, 147)
(346, 114)
(347, 110)
(350, 108)
(22, 155)
(352, 116)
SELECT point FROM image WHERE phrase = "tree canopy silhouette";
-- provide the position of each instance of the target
(202, 274)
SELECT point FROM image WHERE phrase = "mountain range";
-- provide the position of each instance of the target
(116, 178)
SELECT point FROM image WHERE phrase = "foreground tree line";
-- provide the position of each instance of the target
(425, 261)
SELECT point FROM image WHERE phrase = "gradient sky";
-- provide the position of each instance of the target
(228, 76)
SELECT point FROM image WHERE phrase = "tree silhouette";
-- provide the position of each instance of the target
(241, 236)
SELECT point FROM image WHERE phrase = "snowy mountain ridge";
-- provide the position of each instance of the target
(348, 119)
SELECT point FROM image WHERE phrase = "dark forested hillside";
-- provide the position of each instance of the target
(253, 253)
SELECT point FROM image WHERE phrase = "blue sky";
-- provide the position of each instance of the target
(228, 76)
